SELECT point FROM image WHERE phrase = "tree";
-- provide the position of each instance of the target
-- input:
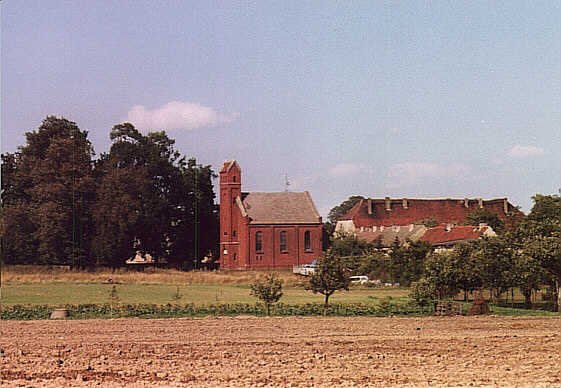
(269, 291)
(345, 245)
(47, 194)
(541, 232)
(330, 276)
(466, 274)
(340, 210)
(160, 203)
(487, 217)
(494, 260)
(440, 276)
(407, 261)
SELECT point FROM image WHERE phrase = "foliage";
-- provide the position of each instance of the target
(407, 262)
(95, 311)
(327, 232)
(541, 232)
(47, 190)
(330, 276)
(441, 275)
(159, 202)
(429, 222)
(62, 208)
(485, 216)
(269, 291)
(423, 292)
(340, 210)
(344, 245)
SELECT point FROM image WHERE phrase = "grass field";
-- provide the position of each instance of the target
(26, 285)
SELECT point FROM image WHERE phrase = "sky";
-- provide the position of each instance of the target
(415, 99)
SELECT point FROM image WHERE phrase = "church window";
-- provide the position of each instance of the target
(283, 241)
(307, 241)
(259, 242)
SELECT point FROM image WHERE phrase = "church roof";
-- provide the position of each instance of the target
(228, 164)
(280, 208)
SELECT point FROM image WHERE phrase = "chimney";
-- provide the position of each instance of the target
(480, 201)
(370, 211)
(505, 206)
(388, 205)
(466, 202)
(405, 204)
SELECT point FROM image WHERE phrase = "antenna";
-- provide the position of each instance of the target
(286, 182)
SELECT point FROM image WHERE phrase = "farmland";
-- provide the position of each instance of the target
(249, 351)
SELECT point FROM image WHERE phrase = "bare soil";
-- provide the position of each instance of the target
(249, 351)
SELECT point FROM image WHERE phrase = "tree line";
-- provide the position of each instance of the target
(62, 206)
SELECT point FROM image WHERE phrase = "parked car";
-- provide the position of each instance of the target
(359, 279)
(305, 269)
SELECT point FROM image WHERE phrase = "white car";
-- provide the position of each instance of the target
(359, 279)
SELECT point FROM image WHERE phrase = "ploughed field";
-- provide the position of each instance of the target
(250, 351)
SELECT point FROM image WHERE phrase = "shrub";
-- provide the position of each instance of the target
(269, 290)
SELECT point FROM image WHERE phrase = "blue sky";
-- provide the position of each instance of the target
(401, 99)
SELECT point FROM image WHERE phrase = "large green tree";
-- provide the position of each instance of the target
(47, 189)
(541, 232)
(159, 202)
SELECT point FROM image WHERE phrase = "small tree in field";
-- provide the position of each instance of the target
(269, 290)
(330, 276)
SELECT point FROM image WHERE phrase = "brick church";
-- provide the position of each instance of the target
(265, 230)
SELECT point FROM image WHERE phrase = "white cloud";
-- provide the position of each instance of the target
(520, 151)
(177, 115)
(411, 173)
(346, 169)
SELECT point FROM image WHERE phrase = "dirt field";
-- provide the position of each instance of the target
(248, 351)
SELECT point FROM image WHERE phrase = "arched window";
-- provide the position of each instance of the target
(283, 241)
(259, 242)
(307, 241)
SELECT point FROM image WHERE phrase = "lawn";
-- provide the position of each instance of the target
(82, 293)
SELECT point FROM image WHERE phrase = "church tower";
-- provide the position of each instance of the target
(230, 189)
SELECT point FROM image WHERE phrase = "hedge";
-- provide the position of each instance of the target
(119, 310)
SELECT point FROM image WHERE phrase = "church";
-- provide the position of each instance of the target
(265, 230)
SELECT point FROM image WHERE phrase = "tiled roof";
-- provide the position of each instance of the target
(388, 234)
(280, 208)
(443, 234)
(404, 211)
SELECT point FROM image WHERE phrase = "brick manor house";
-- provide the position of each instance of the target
(265, 230)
